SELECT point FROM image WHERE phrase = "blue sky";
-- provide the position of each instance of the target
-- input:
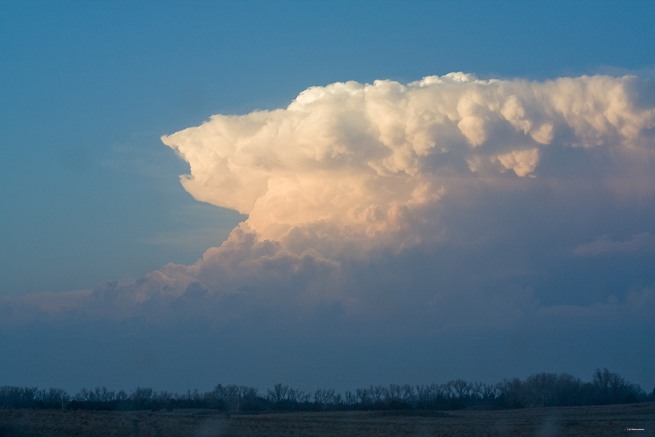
(91, 195)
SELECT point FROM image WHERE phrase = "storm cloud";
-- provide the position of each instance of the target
(438, 209)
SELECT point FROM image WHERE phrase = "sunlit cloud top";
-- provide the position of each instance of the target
(373, 161)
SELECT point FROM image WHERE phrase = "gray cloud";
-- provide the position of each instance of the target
(640, 243)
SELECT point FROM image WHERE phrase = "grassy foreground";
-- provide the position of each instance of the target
(608, 420)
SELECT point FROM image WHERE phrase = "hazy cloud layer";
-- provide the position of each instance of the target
(447, 208)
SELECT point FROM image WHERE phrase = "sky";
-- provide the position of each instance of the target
(325, 194)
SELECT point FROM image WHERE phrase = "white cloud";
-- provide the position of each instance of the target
(475, 170)
(522, 162)
(444, 206)
(372, 161)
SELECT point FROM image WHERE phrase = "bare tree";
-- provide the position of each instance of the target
(324, 397)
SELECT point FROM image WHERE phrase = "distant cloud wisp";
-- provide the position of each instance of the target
(640, 243)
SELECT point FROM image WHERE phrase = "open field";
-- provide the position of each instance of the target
(609, 420)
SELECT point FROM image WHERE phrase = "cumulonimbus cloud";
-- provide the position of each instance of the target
(372, 162)
(445, 194)
(397, 227)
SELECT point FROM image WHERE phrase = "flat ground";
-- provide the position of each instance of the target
(609, 420)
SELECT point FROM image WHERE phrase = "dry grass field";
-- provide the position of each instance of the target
(610, 420)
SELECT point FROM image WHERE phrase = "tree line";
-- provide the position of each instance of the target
(538, 390)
